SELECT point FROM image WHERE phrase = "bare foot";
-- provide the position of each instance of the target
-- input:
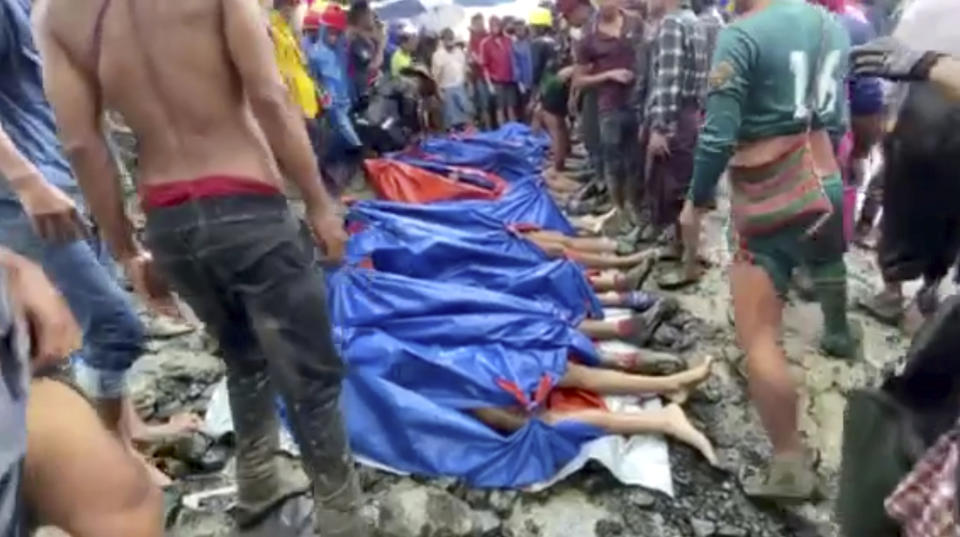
(680, 428)
(178, 424)
(689, 379)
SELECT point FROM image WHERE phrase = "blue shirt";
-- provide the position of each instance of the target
(24, 112)
(523, 63)
(866, 93)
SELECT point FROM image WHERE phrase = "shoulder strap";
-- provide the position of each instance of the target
(815, 69)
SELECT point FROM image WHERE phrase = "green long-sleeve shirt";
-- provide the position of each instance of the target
(759, 80)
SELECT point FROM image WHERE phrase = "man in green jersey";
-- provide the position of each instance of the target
(775, 101)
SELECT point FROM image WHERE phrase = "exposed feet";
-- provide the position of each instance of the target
(635, 277)
(687, 380)
(679, 427)
(645, 324)
(644, 362)
(788, 478)
(679, 278)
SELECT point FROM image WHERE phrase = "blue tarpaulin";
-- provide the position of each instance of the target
(525, 202)
(481, 252)
(422, 354)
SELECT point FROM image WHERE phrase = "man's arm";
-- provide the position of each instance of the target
(252, 54)
(728, 88)
(665, 83)
(73, 96)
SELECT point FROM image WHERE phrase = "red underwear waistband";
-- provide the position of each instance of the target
(211, 186)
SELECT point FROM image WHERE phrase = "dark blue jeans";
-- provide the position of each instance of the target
(84, 272)
(249, 270)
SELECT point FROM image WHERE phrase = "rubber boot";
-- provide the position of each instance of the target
(840, 338)
(318, 427)
(262, 484)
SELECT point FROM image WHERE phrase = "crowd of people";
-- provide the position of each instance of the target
(230, 101)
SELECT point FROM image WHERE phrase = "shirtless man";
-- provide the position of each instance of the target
(198, 84)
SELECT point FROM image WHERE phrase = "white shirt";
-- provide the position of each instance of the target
(449, 67)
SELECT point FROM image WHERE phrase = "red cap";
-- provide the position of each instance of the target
(334, 17)
(311, 21)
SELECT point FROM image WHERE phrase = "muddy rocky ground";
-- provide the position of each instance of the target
(179, 373)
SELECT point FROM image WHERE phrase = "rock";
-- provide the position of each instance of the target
(502, 501)
(641, 498)
(409, 510)
(726, 530)
(702, 528)
(608, 528)
(565, 514)
(486, 522)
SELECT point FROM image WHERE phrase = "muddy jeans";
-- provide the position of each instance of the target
(620, 147)
(250, 272)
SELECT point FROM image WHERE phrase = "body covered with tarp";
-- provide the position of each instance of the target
(474, 250)
(422, 354)
(524, 202)
(399, 181)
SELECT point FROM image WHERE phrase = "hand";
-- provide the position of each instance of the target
(149, 284)
(889, 58)
(658, 145)
(55, 333)
(53, 214)
(622, 76)
(327, 226)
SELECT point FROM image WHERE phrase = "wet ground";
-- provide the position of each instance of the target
(180, 371)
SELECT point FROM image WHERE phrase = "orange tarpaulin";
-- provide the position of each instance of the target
(395, 181)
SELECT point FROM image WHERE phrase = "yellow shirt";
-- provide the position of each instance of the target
(400, 61)
(293, 66)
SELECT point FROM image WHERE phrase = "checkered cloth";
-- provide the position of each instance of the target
(680, 69)
(925, 502)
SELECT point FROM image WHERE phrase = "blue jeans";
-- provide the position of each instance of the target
(457, 109)
(83, 272)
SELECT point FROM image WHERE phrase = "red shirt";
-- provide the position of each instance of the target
(474, 53)
(497, 54)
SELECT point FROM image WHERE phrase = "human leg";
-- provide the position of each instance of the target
(611, 382)
(615, 161)
(78, 476)
(669, 421)
(756, 290)
(113, 335)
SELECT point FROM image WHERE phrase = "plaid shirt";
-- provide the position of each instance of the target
(925, 502)
(712, 22)
(680, 68)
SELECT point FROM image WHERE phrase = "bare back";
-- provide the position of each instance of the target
(165, 65)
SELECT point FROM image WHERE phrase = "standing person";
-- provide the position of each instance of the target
(678, 86)
(41, 210)
(214, 137)
(543, 46)
(450, 72)
(522, 66)
(75, 475)
(406, 45)
(712, 22)
(771, 126)
(481, 92)
(606, 62)
(367, 43)
(328, 63)
(496, 56)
